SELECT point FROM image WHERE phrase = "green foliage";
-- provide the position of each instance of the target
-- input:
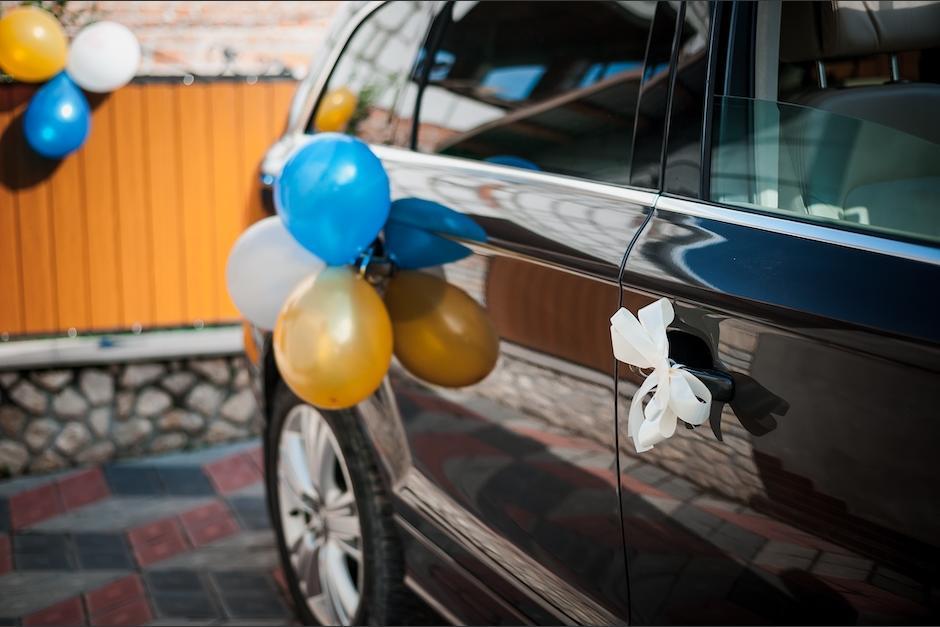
(366, 98)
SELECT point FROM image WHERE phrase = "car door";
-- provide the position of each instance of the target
(506, 490)
(811, 493)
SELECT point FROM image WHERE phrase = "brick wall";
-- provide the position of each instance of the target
(214, 38)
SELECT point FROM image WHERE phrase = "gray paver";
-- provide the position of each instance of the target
(120, 513)
(192, 458)
(25, 592)
(255, 489)
(252, 512)
(250, 550)
(185, 481)
(97, 551)
(20, 484)
(133, 481)
(36, 551)
(182, 593)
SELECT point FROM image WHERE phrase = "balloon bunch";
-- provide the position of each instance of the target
(33, 48)
(305, 274)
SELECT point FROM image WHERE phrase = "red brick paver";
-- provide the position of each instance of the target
(6, 555)
(136, 612)
(208, 523)
(233, 473)
(121, 602)
(114, 594)
(257, 457)
(83, 488)
(157, 541)
(68, 612)
(33, 506)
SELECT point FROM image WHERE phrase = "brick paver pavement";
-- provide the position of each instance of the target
(181, 538)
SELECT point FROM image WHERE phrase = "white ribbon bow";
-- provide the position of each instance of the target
(678, 393)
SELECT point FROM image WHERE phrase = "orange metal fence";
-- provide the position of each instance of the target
(135, 227)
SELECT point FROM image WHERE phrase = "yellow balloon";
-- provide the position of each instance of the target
(33, 47)
(335, 109)
(333, 339)
(441, 334)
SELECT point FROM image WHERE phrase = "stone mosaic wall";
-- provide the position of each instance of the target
(52, 419)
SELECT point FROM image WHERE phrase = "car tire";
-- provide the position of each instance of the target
(382, 598)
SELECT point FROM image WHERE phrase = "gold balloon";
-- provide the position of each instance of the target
(441, 334)
(336, 108)
(33, 47)
(333, 339)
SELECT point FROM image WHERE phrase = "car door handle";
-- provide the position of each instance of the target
(719, 383)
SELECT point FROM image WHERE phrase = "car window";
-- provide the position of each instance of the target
(850, 136)
(371, 90)
(548, 86)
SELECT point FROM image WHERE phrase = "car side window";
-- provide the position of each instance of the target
(549, 86)
(371, 91)
(844, 131)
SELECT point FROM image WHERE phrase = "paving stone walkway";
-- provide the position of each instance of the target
(181, 539)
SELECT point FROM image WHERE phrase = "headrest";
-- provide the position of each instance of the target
(841, 28)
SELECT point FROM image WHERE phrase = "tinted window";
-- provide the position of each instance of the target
(374, 75)
(847, 133)
(541, 85)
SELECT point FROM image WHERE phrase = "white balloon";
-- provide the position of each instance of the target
(264, 266)
(103, 57)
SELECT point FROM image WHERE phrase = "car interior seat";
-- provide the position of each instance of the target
(868, 154)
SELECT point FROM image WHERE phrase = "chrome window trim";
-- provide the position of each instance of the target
(805, 230)
(510, 174)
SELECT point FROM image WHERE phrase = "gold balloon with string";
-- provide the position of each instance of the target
(335, 110)
(333, 339)
(441, 334)
(33, 46)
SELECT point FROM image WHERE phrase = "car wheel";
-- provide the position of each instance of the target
(332, 519)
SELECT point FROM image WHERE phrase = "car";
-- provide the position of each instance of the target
(772, 170)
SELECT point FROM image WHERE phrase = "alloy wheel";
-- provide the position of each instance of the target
(319, 517)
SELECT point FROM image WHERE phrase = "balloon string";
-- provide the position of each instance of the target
(366, 259)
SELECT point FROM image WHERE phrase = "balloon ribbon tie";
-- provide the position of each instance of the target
(677, 393)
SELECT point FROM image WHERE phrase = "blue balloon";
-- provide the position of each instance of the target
(333, 197)
(514, 161)
(57, 119)
(411, 248)
(432, 216)
(411, 235)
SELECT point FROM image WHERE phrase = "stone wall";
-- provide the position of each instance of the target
(52, 419)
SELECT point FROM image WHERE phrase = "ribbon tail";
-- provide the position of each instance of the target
(653, 432)
(690, 399)
(660, 423)
(637, 414)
